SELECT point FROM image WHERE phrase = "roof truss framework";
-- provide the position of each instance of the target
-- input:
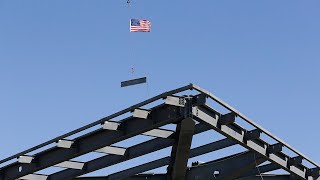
(191, 115)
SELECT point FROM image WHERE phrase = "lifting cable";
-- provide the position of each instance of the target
(131, 56)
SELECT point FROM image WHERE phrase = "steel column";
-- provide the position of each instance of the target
(181, 149)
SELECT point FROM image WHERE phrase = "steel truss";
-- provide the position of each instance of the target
(192, 115)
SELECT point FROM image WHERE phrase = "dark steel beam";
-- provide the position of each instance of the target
(181, 149)
(130, 127)
(133, 82)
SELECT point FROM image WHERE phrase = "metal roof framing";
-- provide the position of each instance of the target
(191, 115)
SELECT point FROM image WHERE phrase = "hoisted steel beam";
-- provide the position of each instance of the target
(133, 82)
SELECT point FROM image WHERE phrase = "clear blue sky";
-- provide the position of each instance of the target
(61, 62)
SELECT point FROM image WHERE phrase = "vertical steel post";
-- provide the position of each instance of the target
(181, 149)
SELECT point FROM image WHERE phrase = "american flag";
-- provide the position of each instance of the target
(137, 25)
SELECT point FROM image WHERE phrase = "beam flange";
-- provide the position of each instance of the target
(279, 158)
(299, 170)
(258, 145)
(175, 101)
(207, 116)
(112, 150)
(162, 133)
(141, 113)
(34, 177)
(109, 125)
(25, 159)
(71, 165)
(63, 143)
